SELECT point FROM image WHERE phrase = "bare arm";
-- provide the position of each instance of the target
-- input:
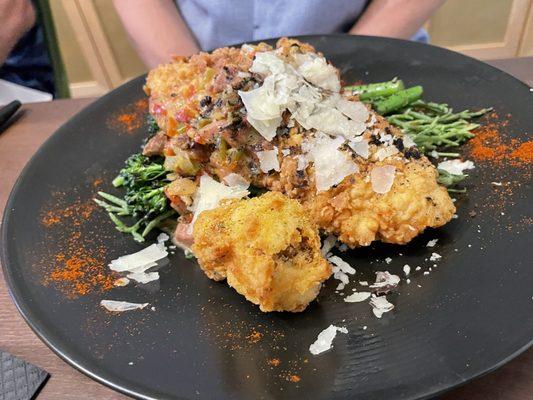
(17, 17)
(395, 18)
(156, 29)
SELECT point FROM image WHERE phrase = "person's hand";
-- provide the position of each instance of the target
(16, 17)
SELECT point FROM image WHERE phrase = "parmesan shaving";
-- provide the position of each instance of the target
(382, 178)
(141, 259)
(455, 167)
(357, 297)
(268, 160)
(380, 305)
(234, 179)
(119, 306)
(325, 338)
(331, 165)
(361, 148)
(210, 193)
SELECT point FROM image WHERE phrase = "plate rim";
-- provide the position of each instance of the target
(29, 316)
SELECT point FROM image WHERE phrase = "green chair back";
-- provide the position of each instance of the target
(44, 16)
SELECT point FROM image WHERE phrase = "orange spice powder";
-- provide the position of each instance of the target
(79, 273)
(131, 118)
(77, 263)
(293, 378)
(274, 362)
(488, 145)
(60, 214)
(254, 337)
(524, 152)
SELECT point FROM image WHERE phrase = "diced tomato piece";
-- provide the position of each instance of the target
(183, 115)
(157, 109)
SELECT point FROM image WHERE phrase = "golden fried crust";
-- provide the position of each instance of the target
(358, 215)
(266, 247)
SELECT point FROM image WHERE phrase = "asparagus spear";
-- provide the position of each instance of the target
(376, 90)
(398, 100)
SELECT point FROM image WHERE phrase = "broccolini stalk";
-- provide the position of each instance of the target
(144, 180)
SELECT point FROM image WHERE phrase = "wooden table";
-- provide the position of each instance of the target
(514, 381)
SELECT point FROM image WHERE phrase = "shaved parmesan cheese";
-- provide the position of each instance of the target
(210, 193)
(382, 178)
(119, 306)
(432, 243)
(162, 237)
(435, 257)
(331, 164)
(333, 122)
(285, 152)
(354, 110)
(261, 103)
(146, 257)
(325, 338)
(121, 282)
(341, 269)
(341, 264)
(236, 180)
(357, 297)
(268, 160)
(380, 305)
(406, 269)
(388, 260)
(384, 152)
(316, 70)
(408, 141)
(266, 128)
(361, 148)
(328, 244)
(144, 277)
(455, 167)
(267, 63)
(385, 281)
(308, 88)
(302, 163)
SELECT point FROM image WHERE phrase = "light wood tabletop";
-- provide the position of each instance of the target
(19, 142)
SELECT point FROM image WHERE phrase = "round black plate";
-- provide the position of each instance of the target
(468, 316)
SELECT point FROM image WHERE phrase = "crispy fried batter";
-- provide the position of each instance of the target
(195, 102)
(359, 216)
(267, 249)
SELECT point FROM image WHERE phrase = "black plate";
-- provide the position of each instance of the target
(470, 315)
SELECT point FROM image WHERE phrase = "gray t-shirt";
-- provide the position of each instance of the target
(218, 23)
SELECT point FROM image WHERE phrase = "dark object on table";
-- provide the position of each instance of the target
(6, 112)
(19, 380)
(467, 317)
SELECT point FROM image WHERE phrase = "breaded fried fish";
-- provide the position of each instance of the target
(279, 119)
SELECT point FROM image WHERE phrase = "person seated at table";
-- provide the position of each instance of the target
(23, 55)
(162, 28)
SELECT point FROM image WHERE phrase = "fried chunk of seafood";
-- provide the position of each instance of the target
(266, 248)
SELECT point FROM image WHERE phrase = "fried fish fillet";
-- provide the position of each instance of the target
(205, 126)
(266, 248)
